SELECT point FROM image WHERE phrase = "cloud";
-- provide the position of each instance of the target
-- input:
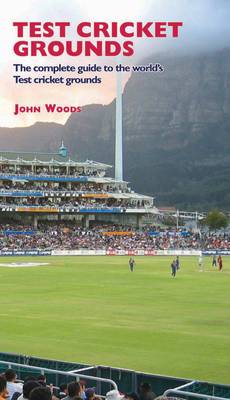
(206, 28)
(206, 25)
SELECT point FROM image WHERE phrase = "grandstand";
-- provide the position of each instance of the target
(50, 202)
(42, 186)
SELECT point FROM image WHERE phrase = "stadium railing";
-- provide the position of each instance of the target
(200, 390)
(53, 373)
(126, 380)
(105, 378)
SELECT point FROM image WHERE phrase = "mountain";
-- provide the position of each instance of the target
(176, 131)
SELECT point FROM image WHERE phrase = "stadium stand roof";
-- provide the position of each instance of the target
(48, 159)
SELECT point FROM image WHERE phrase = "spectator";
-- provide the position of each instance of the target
(113, 395)
(40, 393)
(3, 390)
(27, 387)
(42, 380)
(145, 392)
(12, 386)
(132, 396)
(63, 391)
(74, 391)
(83, 386)
(90, 394)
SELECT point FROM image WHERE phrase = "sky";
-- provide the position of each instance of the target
(205, 28)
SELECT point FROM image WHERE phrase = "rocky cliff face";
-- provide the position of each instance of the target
(176, 131)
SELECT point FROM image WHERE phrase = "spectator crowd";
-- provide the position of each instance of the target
(67, 236)
(51, 170)
(78, 202)
(37, 388)
(80, 187)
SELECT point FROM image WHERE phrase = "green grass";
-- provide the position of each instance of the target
(94, 310)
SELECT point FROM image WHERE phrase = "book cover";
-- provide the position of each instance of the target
(114, 141)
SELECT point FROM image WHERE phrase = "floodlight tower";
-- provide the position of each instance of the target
(118, 137)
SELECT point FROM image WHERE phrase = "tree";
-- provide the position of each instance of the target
(216, 220)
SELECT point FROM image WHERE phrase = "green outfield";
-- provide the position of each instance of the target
(94, 310)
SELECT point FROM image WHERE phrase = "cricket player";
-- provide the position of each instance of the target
(131, 264)
(201, 263)
(173, 268)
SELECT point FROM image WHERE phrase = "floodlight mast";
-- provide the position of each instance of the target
(118, 137)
